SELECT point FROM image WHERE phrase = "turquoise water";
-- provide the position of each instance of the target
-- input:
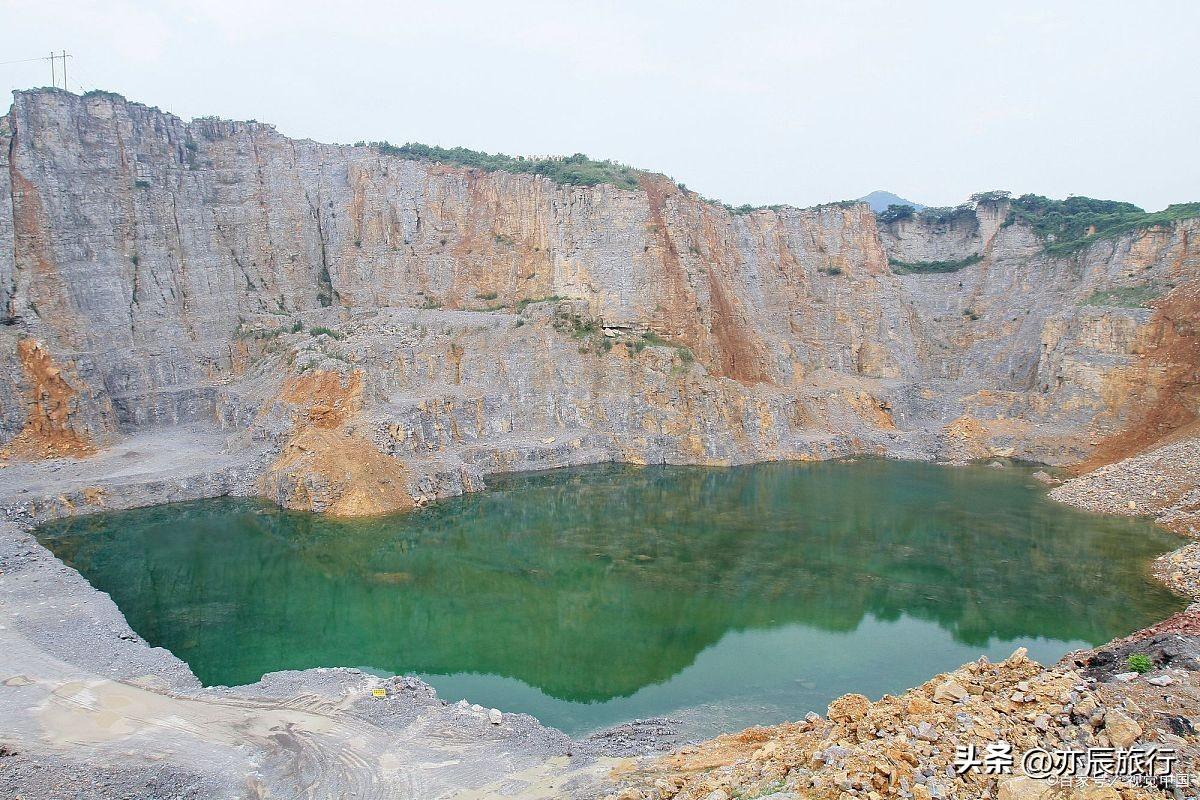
(591, 596)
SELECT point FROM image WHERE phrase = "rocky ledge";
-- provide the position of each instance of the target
(905, 747)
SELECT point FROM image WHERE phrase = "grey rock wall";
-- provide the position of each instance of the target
(165, 265)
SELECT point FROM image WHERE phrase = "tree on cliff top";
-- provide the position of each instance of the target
(573, 170)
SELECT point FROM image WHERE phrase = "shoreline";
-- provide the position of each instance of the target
(93, 646)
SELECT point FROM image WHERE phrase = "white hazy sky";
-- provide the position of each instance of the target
(754, 102)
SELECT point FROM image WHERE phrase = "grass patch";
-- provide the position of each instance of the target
(524, 304)
(517, 307)
(1139, 663)
(575, 170)
(244, 332)
(1124, 297)
(916, 267)
(321, 330)
(588, 331)
(649, 339)
(652, 339)
(582, 329)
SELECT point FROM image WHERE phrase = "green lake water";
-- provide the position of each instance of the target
(592, 596)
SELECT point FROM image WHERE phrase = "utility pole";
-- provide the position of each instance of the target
(53, 70)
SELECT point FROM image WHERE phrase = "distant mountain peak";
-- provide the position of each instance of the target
(880, 200)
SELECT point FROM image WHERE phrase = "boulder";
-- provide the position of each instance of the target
(950, 691)
(1020, 787)
(1122, 731)
(849, 708)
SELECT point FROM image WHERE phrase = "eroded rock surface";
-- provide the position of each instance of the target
(188, 273)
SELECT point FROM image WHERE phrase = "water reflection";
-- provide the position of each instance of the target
(594, 595)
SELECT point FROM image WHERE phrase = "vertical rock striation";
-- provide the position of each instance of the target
(189, 272)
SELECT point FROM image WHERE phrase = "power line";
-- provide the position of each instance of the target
(23, 60)
(52, 58)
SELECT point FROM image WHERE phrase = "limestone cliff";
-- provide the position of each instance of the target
(190, 272)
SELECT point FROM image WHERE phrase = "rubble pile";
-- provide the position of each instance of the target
(906, 746)
(1180, 570)
(1161, 482)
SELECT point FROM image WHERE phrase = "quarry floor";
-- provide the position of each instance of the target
(90, 710)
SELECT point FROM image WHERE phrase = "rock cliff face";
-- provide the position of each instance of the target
(169, 272)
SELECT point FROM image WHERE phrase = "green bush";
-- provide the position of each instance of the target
(575, 170)
(746, 208)
(906, 267)
(990, 198)
(833, 204)
(582, 329)
(1124, 297)
(1067, 226)
(103, 93)
(895, 213)
(652, 339)
(321, 330)
(948, 216)
(1139, 663)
